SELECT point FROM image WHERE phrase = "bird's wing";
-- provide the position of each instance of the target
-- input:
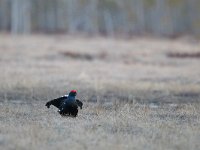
(79, 103)
(56, 102)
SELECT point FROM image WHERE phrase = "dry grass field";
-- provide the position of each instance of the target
(139, 93)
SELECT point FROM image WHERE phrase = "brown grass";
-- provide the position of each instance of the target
(135, 96)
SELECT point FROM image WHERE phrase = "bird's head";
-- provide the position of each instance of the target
(73, 93)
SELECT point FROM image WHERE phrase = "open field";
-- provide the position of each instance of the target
(138, 93)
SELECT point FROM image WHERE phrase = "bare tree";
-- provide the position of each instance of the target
(159, 17)
(20, 16)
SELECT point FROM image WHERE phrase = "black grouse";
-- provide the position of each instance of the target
(67, 104)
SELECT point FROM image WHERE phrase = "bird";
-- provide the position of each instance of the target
(67, 104)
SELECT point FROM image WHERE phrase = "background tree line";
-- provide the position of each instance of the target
(159, 17)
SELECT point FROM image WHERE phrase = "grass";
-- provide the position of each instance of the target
(135, 96)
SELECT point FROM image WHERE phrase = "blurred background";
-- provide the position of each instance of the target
(134, 63)
(107, 17)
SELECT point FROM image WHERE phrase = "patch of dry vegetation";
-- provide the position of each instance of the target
(135, 96)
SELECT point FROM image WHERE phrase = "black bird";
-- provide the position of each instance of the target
(67, 104)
